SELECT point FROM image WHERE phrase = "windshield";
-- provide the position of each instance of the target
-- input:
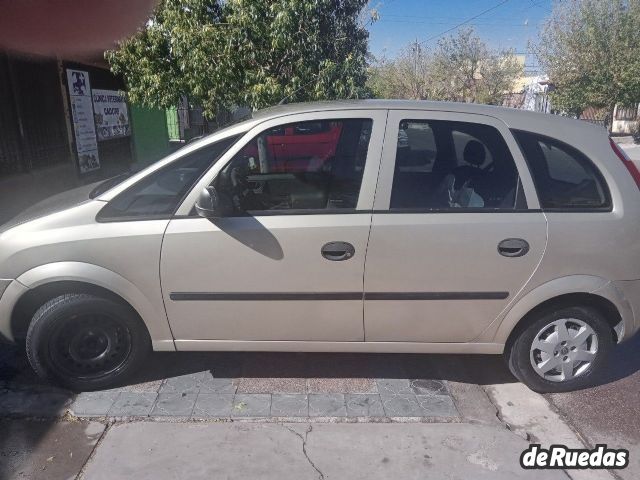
(159, 193)
(108, 184)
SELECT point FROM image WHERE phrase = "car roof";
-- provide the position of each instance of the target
(513, 117)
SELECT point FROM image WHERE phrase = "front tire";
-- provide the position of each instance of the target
(561, 350)
(84, 342)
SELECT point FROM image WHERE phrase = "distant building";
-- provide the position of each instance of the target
(626, 120)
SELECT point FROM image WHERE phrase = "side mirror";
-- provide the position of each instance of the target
(208, 204)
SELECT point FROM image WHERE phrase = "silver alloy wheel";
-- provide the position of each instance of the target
(564, 349)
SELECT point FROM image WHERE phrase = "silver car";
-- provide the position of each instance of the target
(355, 226)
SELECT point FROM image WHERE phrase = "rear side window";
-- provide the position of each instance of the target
(564, 177)
(453, 166)
(159, 194)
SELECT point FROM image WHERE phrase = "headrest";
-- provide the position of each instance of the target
(474, 153)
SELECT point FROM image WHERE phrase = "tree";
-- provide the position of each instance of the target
(591, 51)
(406, 76)
(462, 68)
(245, 52)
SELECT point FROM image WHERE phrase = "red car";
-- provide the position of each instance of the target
(302, 147)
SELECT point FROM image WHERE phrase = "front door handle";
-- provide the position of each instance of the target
(513, 247)
(336, 251)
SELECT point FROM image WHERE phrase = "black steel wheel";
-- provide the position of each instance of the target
(84, 342)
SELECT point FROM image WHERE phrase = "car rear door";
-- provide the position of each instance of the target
(287, 264)
(456, 231)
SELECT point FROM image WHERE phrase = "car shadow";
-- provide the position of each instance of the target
(623, 362)
(251, 233)
(479, 369)
(15, 371)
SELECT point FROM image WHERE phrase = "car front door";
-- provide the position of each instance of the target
(456, 231)
(286, 261)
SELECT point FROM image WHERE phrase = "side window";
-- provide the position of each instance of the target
(564, 177)
(416, 148)
(443, 165)
(315, 165)
(159, 193)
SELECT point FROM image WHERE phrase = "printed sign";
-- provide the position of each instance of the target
(83, 121)
(112, 118)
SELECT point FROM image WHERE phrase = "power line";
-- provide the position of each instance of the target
(480, 24)
(465, 22)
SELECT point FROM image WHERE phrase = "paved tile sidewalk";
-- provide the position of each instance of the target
(246, 386)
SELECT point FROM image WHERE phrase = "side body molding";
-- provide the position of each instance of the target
(500, 329)
(154, 316)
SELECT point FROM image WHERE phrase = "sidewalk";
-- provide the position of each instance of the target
(285, 416)
(158, 451)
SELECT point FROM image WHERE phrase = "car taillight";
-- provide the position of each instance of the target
(633, 169)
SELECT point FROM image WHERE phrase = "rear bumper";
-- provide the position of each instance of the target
(12, 291)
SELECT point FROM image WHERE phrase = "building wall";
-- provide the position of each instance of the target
(33, 132)
(115, 155)
(626, 120)
(37, 151)
(150, 137)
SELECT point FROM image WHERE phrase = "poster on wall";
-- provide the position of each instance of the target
(83, 121)
(111, 115)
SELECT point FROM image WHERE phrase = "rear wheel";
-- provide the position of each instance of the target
(84, 342)
(561, 350)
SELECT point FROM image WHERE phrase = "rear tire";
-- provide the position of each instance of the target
(561, 350)
(84, 342)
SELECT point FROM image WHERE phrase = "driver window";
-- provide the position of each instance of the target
(315, 165)
(442, 165)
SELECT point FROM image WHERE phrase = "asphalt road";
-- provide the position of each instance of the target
(610, 412)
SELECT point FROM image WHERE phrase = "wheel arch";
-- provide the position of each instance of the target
(601, 304)
(591, 291)
(50, 280)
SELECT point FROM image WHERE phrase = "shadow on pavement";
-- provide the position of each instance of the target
(477, 369)
(623, 362)
(481, 369)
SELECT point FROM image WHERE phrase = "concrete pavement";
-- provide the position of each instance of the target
(157, 451)
(492, 418)
(610, 412)
(45, 450)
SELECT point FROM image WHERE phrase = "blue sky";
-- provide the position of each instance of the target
(510, 25)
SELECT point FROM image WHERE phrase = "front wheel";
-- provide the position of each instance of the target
(561, 350)
(84, 342)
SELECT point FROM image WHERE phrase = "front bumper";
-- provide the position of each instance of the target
(10, 292)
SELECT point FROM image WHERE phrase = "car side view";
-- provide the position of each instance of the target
(347, 226)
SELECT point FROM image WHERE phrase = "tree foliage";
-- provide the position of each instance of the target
(246, 52)
(461, 68)
(591, 51)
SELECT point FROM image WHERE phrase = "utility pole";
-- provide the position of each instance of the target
(416, 52)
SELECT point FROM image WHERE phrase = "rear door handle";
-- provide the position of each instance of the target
(337, 251)
(513, 247)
